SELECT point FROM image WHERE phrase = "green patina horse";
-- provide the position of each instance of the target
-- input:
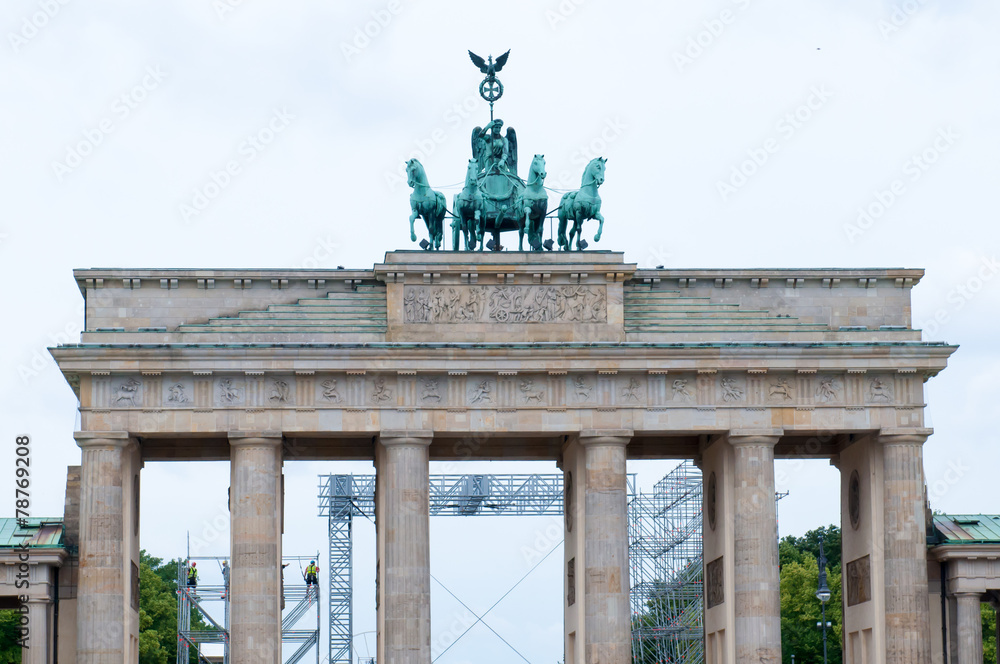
(534, 201)
(582, 205)
(427, 204)
(468, 211)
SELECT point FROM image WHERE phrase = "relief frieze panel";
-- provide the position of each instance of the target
(503, 390)
(505, 304)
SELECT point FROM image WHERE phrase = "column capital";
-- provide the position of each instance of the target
(393, 437)
(103, 439)
(754, 437)
(255, 438)
(967, 595)
(605, 437)
(904, 436)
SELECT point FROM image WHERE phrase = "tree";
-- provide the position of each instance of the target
(158, 611)
(989, 635)
(800, 610)
(10, 650)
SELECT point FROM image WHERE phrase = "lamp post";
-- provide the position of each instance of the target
(823, 593)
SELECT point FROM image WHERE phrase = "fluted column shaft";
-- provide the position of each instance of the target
(756, 582)
(40, 642)
(606, 577)
(405, 527)
(907, 608)
(255, 571)
(970, 628)
(103, 592)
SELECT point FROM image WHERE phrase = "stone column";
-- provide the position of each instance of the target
(907, 608)
(608, 633)
(758, 600)
(969, 637)
(105, 622)
(255, 571)
(40, 644)
(404, 535)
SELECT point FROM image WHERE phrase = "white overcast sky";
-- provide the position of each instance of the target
(904, 108)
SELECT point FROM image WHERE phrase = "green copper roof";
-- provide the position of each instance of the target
(36, 533)
(967, 528)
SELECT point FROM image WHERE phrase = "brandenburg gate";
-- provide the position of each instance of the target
(577, 357)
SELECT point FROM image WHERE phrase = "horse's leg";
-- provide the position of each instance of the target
(600, 229)
(413, 218)
(522, 227)
(561, 234)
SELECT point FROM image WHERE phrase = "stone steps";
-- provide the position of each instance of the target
(360, 311)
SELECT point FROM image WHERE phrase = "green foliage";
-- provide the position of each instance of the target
(989, 635)
(158, 611)
(800, 610)
(10, 651)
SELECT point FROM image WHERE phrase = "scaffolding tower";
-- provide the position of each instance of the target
(665, 556)
(665, 550)
(211, 603)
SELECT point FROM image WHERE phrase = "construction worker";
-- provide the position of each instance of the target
(312, 572)
(193, 575)
(225, 579)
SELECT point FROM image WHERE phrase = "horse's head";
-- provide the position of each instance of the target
(537, 168)
(415, 174)
(471, 173)
(594, 173)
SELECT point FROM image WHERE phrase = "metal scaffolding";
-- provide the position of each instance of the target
(211, 604)
(665, 555)
(343, 497)
(665, 549)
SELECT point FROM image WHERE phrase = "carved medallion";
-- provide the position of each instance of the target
(711, 500)
(854, 500)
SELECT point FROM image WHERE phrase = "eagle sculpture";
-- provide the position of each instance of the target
(492, 67)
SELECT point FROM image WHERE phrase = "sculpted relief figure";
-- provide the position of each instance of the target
(680, 390)
(279, 391)
(177, 394)
(127, 392)
(583, 390)
(381, 392)
(781, 389)
(229, 393)
(482, 392)
(731, 391)
(529, 392)
(330, 392)
(828, 390)
(879, 390)
(505, 304)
